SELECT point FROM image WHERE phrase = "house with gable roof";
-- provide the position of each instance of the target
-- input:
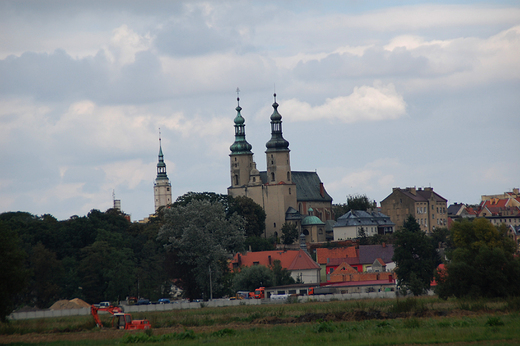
(298, 262)
(351, 224)
(370, 253)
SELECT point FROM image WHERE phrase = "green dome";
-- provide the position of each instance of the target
(312, 220)
(240, 146)
(277, 142)
(239, 119)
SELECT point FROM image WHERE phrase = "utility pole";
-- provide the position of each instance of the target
(210, 285)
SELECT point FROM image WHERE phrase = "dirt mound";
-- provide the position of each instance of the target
(75, 303)
(81, 303)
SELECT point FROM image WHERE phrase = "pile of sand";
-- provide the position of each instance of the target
(75, 303)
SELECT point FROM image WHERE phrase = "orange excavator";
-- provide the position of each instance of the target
(124, 321)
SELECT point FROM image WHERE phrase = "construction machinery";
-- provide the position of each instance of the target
(119, 319)
(260, 293)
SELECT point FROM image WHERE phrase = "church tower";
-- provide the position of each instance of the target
(277, 153)
(162, 187)
(241, 155)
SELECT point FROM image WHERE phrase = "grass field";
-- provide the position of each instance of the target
(405, 321)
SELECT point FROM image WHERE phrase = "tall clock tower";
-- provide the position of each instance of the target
(162, 190)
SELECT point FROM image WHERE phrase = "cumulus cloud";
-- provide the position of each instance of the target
(366, 103)
(125, 43)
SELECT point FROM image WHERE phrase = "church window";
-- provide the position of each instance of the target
(254, 179)
(289, 191)
(305, 232)
(272, 176)
(275, 225)
(288, 176)
(236, 179)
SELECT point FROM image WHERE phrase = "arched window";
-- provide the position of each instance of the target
(272, 176)
(236, 179)
(305, 232)
(288, 176)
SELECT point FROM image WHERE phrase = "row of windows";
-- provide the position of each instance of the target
(423, 210)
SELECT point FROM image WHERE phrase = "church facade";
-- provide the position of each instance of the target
(286, 196)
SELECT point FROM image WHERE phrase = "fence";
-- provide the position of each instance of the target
(197, 305)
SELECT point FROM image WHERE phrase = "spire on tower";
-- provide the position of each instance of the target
(161, 166)
(277, 142)
(240, 146)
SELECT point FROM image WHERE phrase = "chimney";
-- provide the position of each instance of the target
(322, 190)
(412, 190)
(269, 257)
(384, 244)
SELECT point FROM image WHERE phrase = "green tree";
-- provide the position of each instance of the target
(252, 212)
(250, 278)
(289, 233)
(211, 197)
(47, 274)
(260, 244)
(354, 202)
(13, 276)
(482, 263)
(414, 256)
(282, 276)
(199, 238)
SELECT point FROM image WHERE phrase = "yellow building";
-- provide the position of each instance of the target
(279, 190)
(428, 207)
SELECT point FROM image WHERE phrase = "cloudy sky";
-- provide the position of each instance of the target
(373, 95)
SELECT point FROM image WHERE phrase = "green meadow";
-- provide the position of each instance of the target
(404, 321)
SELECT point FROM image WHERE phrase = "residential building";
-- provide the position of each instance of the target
(330, 258)
(284, 194)
(513, 197)
(461, 211)
(298, 262)
(427, 207)
(355, 222)
(162, 188)
(501, 209)
(364, 259)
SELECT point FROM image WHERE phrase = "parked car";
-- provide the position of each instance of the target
(143, 302)
(164, 301)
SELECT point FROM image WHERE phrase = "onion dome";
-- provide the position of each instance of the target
(240, 146)
(277, 142)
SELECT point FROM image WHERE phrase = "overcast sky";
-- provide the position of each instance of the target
(373, 95)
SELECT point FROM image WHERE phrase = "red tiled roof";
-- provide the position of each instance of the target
(289, 259)
(340, 252)
(496, 202)
(345, 268)
(338, 261)
(360, 283)
(381, 261)
(303, 261)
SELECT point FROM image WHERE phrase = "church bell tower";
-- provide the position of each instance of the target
(241, 155)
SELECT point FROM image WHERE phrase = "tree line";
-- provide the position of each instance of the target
(104, 257)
